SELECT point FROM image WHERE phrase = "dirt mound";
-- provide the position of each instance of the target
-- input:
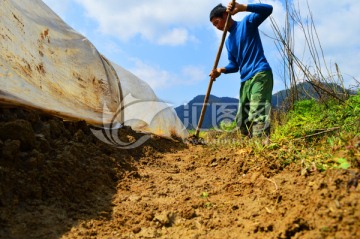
(58, 181)
(54, 173)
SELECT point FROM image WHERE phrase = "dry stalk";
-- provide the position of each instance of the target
(323, 131)
(317, 72)
(276, 187)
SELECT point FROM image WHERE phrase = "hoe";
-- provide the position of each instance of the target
(195, 139)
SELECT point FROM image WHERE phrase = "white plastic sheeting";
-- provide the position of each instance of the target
(47, 65)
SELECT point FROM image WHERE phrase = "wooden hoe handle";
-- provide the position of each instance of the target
(203, 110)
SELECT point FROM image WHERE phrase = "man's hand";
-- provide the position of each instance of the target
(215, 73)
(237, 8)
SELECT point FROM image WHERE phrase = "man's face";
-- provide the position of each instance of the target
(219, 22)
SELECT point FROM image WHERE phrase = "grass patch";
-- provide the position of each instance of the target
(317, 135)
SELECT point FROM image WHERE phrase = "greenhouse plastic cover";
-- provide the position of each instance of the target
(48, 66)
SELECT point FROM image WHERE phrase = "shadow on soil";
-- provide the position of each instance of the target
(54, 174)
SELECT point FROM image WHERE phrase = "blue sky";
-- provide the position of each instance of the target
(171, 45)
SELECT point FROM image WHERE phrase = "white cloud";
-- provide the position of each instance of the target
(157, 21)
(193, 74)
(177, 36)
(153, 75)
(161, 79)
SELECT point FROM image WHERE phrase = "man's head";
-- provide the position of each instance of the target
(218, 16)
(217, 11)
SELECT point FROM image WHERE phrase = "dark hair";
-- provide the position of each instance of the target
(217, 11)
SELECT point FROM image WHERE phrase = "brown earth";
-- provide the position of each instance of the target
(58, 181)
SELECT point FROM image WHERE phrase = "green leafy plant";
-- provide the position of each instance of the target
(204, 195)
(342, 163)
(226, 125)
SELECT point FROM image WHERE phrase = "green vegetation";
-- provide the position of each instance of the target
(317, 135)
(227, 126)
(204, 195)
(202, 134)
(311, 117)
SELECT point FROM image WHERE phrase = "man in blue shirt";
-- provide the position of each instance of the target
(246, 54)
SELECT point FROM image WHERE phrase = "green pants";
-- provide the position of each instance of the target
(253, 117)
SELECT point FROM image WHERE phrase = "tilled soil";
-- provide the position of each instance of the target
(58, 181)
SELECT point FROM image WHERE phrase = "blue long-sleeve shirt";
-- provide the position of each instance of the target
(245, 50)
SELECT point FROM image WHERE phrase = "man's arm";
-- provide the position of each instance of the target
(237, 8)
(215, 73)
(232, 67)
(262, 11)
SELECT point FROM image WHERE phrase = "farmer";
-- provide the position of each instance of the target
(246, 54)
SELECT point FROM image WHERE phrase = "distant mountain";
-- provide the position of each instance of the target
(225, 108)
